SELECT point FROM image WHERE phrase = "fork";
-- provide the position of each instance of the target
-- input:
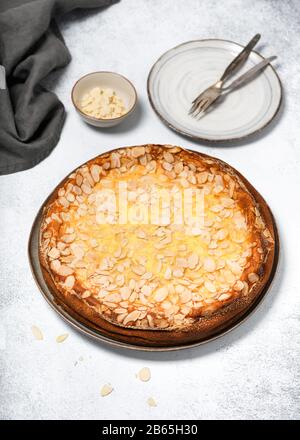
(208, 96)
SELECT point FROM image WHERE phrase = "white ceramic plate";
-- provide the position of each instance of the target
(183, 72)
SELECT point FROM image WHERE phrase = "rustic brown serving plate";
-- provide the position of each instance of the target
(140, 339)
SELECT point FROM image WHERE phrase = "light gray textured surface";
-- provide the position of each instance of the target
(252, 372)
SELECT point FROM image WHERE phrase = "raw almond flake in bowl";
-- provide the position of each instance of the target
(157, 245)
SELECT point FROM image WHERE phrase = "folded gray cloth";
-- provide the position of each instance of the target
(31, 118)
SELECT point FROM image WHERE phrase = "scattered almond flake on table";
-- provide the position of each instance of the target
(37, 333)
(61, 338)
(144, 374)
(106, 390)
(151, 402)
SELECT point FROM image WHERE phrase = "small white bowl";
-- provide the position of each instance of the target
(121, 85)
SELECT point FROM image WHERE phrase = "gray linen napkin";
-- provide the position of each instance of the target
(31, 118)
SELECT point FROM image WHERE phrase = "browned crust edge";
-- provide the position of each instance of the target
(205, 327)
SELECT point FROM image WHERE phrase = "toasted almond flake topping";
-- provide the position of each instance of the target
(167, 166)
(70, 197)
(178, 273)
(120, 280)
(170, 283)
(185, 296)
(115, 160)
(234, 267)
(106, 390)
(132, 284)
(86, 188)
(209, 265)
(229, 277)
(146, 290)
(132, 317)
(54, 253)
(193, 260)
(86, 294)
(179, 289)
(121, 311)
(113, 297)
(144, 374)
(65, 270)
(246, 288)
(61, 338)
(37, 333)
(168, 273)
(168, 157)
(95, 172)
(55, 265)
(239, 285)
(121, 317)
(202, 177)
(68, 238)
(224, 296)
(184, 183)
(79, 179)
(181, 262)
(191, 178)
(173, 149)
(143, 160)
(138, 151)
(64, 202)
(178, 167)
(147, 276)
(70, 281)
(138, 270)
(210, 286)
(141, 234)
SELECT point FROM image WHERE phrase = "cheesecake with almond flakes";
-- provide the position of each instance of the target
(157, 242)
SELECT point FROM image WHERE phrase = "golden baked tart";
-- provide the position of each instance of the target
(157, 244)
